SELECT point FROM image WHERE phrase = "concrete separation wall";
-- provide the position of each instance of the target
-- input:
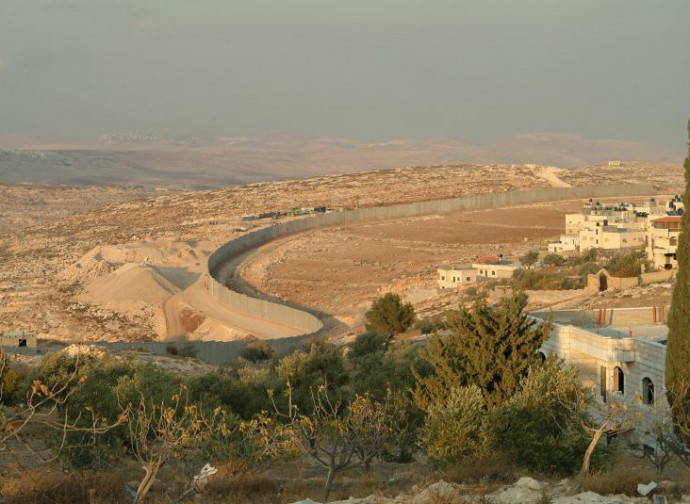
(281, 314)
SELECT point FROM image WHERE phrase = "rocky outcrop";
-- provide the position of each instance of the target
(525, 491)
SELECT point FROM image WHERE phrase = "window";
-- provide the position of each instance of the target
(619, 380)
(647, 391)
(602, 382)
(467, 279)
(443, 277)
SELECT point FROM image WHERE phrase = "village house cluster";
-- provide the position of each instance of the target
(654, 226)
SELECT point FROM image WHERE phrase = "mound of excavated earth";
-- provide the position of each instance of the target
(131, 282)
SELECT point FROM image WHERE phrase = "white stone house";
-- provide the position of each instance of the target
(605, 236)
(454, 278)
(662, 241)
(494, 267)
(620, 353)
(565, 244)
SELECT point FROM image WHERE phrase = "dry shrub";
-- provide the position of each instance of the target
(45, 487)
(481, 470)
(620, 480)
(236, 482)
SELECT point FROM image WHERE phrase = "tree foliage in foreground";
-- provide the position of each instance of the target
(678, 343)
(337, 436)
(492, 347)
(542, 427)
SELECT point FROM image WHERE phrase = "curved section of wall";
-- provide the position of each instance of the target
(281, 314)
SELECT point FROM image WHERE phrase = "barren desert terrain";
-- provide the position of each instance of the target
(65, 279)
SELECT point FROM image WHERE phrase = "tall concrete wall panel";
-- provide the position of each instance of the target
(308, 323)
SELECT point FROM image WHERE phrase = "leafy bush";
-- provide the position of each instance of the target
(553, 260)
(60, 372)
(627, 265)
(454, 428)
(381, 369)
(524, 279)
(388, 315)
(367, 343)
(188, 349)
(106, 389)
(231, 393)
(257, 352)
(542, 426)
(588, 268)
(425, 326)
(12, 387)
(319, 364)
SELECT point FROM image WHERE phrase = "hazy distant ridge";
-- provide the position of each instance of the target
(155, 160)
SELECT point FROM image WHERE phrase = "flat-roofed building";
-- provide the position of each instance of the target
(453, 278)
(565, 244)
(662, 241)
(494, 267)
(621, 355)
(602, 235)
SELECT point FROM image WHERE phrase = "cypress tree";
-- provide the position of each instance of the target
(678, 343)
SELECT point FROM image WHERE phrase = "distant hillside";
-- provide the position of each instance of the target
(193, 163)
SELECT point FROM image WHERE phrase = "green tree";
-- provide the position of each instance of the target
(321, 365)
(678, 343)
(454, 428)
(388, 315)
(529, 259)
(340, 437)
(367, 343)
(492, 347)
(543, 426)
(627, 265)
(553, 259)
(383, 370)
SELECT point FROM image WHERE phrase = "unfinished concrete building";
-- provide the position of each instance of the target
(620, 352)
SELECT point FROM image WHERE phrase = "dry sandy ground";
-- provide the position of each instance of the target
(28, 205)
(53, 276)
(341, 270)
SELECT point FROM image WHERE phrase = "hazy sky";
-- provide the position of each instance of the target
(372, 69)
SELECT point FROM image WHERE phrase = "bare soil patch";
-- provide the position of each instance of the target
(340, 270)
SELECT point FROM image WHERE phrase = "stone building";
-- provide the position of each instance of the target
(620, 352)
(454, 278)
